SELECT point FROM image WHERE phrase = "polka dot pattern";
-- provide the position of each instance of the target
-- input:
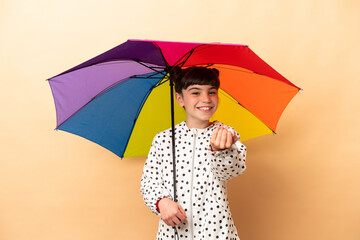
(201, 177)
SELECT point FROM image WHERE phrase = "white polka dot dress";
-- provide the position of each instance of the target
(201, 177)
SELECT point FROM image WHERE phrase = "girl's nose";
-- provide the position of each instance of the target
(206, 97)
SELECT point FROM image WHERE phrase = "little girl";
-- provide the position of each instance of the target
(207, 155)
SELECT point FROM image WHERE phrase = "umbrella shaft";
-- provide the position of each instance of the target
(173, 134)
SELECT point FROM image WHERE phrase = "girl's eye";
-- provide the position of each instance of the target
(195, 93)
(212, 93)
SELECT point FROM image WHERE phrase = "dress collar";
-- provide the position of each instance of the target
(183, 128)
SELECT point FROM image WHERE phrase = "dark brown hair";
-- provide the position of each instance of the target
(183, 78)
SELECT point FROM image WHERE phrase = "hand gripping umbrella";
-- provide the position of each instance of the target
(121, 98)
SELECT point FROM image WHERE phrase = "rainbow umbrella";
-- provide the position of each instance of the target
(121, 98)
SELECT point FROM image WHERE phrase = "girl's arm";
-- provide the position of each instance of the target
(153, 190)
(152, 187)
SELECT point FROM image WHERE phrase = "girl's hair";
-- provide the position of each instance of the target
(183, 78)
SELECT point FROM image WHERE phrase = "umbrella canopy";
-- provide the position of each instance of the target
(120, 99)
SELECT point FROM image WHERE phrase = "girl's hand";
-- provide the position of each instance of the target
(171, 212)
(222, 139)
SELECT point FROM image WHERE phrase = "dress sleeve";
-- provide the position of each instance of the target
(152, 184)
(229, 163)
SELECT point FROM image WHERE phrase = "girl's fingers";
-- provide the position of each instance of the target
(229, 139)
(214, 136)
(169, 223)
(222, 139)
(182, 216)
(176, 221)
(218, 136)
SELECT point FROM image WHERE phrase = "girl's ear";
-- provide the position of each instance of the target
(179, 99)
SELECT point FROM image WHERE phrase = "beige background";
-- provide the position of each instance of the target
(302, 183)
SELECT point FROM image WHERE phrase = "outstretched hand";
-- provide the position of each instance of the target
(171, 212)
(222, 139)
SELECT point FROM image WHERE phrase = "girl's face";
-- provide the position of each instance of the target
(200, 103)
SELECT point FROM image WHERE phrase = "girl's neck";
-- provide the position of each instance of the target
(199, 125)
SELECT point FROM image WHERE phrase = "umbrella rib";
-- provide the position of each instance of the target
(146, 77)
(223, 66)
(142, 77)
(181, 64)
(164, 80)
(151, 68)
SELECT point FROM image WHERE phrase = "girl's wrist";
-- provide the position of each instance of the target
(157, 204)
(213, 149)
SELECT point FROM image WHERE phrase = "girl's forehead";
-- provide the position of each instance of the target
(200, 87)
